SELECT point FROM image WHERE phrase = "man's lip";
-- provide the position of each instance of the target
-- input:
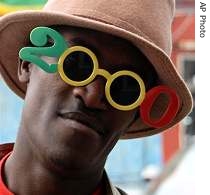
(84, 119)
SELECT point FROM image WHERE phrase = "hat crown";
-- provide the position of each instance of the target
(147, 18)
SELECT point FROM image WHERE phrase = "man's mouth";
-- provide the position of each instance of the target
(84, 119)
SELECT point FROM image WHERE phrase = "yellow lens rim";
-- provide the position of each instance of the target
(141, 92)
(71, 50)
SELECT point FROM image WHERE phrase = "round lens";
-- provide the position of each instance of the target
(78, 66)
(125, 90)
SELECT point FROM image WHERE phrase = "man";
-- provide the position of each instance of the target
(80, 100)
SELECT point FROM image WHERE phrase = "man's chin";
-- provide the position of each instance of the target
(69, 163)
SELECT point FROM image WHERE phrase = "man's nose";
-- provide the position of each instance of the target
(92, 94)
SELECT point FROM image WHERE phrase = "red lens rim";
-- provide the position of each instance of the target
(170, 112)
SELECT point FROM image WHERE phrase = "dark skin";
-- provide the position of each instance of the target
(55, 153)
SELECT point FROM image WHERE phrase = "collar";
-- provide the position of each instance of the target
(3, 189)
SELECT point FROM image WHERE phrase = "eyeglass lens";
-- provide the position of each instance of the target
(78, 66)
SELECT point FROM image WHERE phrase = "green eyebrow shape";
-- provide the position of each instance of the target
(39, 37)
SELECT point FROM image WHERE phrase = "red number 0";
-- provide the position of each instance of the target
(170, 112)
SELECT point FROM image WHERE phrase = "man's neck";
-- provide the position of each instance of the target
(27, 175)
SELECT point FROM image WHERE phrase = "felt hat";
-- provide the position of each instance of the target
(145, 23)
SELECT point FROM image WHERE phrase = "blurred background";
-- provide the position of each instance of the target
(162, 164)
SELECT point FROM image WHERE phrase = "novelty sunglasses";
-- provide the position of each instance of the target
(78, 66)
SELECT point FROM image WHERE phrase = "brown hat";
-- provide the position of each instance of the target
(145, 23)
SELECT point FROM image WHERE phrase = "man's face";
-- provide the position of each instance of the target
(76, 127)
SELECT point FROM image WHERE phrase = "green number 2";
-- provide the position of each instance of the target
(39, 37)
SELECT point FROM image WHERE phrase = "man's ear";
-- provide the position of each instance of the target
(24, 71)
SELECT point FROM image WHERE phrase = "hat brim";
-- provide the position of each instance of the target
(14, 31)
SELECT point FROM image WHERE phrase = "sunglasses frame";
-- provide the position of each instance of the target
(102, 72)
(60, 49)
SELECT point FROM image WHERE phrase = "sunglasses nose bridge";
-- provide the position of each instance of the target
(103, 73)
